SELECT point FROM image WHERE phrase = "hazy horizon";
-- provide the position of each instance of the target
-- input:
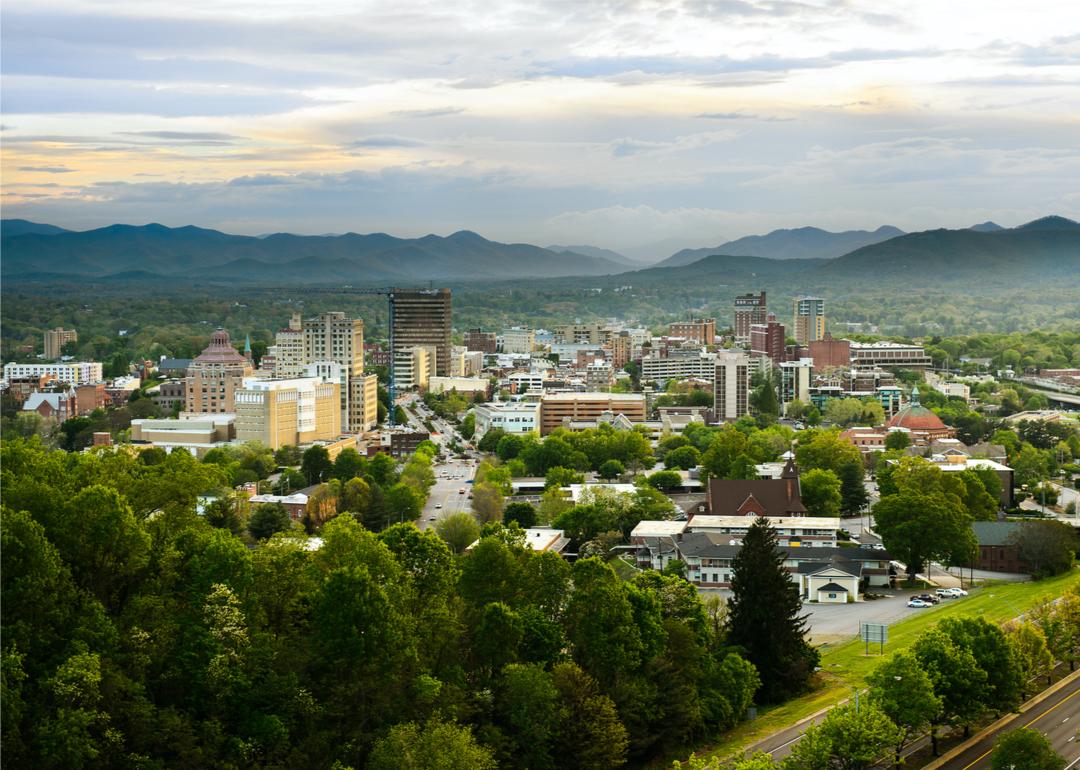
(614, 124)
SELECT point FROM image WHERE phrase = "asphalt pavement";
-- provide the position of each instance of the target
(1056, 717)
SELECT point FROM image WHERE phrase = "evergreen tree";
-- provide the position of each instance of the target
(764, 616)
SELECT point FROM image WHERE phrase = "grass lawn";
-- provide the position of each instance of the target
(844, 665)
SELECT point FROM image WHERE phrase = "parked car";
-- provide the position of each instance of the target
(927, 598)
(461, 491)
(438, 505)
(957, 592)
(918, 603)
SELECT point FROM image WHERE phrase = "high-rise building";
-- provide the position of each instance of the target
(622, 349)
(214, 377)
(731, 391)
(55, 339)
(414, 366)
(423, 317)
(335, 337)
(289, 360)
(809, 319)
(701, 330)
(518, 340)
(749, 310)
(480, 341)
(795, 381)
(279, 412)
(579, 333)
(767, 339)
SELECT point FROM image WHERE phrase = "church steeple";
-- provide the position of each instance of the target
(915, 396)
(247, 347)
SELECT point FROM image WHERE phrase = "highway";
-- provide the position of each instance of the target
(1057, 717)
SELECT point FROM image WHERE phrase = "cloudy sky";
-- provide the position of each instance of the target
(613, 122)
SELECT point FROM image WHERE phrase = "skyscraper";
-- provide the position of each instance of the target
(809, 319)
(334, 337)
(768, 339)
(749, 310)
(215, 375)
(55, 339)
(422, 317)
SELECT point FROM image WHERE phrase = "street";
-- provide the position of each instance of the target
(1055, 717)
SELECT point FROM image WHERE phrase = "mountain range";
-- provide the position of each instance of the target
(1045, 248)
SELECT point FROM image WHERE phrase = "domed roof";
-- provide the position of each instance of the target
(220, 351)
(915, 416)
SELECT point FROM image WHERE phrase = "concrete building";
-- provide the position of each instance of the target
(214, 377)
(731, 386)
(466, 386)
(750, 309)
(678, 365)
(808, 321)
(170, 395)
(598, 375)
(414, 366)
(74, 373)
(458, 365)
(288, 412)
(335, 337)
(582, 334)
(518, 340)
(557, 409)
(795, 381)
(510, 416)
(422, 317)
(769, 339)
(197, 433)
(289, 357)
(700, 330)
(622, 349)
(477, 340)
(532, 380)
(883, 354)
(55, 339)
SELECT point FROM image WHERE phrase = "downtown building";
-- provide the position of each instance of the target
(749, 310)
(701, 330)
(281, 412)
(808, 319)
(55, 339)
(214, 377)
(75, 373)
(768, 339)
(422, 317)
(731, 387)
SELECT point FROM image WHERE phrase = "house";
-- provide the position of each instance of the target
(998, 551)
(295, 504)
(60, 406)
(771, 497)
(545, 539)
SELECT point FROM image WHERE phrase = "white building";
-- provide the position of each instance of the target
(523, 382)
(795, 377)
(518, 340)
(510, 416)
(804, 531)
(414, 366)
(73, 373)
(679, 366)
(731, 390)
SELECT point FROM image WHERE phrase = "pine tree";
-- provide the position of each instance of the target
(764, 616)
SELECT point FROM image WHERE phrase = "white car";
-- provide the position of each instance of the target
(919, 603)
(957, 592)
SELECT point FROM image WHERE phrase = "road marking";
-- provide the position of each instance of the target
(1036, 719)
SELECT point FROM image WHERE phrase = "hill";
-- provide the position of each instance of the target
(799, 243)
(25, 226)
(194, 252)
(595, 251)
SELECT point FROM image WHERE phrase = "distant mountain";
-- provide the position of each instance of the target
(986, 227)
(800, 243)
(197, 253)
(25, 226)
(594, 251)
(1051, 223)
(724, 269)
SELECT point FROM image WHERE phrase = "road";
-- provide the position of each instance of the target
(1056, 718)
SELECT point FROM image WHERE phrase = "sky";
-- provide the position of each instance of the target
(626, 124)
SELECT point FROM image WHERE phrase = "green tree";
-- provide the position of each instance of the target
(1026, 748)
(523, 513)
(600, 622)
(459, 530)
(727, 455)
(558, 476)
(958, 681)
(904, 693)
(348, 465)
(224, 512)
(583, 710)
(611, 469)
(435, 746)
(526, 702)
(820, 492)
(665, 481)
(315, 464)
(683, 458)
(287, 455)
(852, 488)
(487, 502)
(897, 440)
(764, 616)
(356, 497)
(850, 738)
(917, 528)
(268, 518)
(1031, 651)
(992, 652)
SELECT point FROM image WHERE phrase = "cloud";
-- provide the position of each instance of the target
(213, 138)
(742, 116)
(47, 169)
(435, 112)
(386, 141)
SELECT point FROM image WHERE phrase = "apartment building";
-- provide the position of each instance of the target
(518, 340)
(582, 334)
(892, 355)
(414, 366)
(795, 378)
(731, 386)
(750, 309)
(701, 330)
(768, 339)
(55, 339)
(289, 358)
(622, 349)
(509, 416)
(74, 373)
(678, 365)
(808, 320)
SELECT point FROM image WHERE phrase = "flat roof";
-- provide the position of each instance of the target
(594, 396)
(658, 528)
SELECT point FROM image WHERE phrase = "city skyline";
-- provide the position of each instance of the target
(616, 124)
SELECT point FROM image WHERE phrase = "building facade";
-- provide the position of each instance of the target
(557, 409)
(750, 309)
(885, 354)
(582, 334)
(809, 319)
(75, 373)
(288, 412)
(214, 377)
(55, 339)
(622, 349)
(768, 339)
(509, 416)
(477, 340)
(702, 330)
(518, 340)
(731, 386)
(289, 358)
(423, 317)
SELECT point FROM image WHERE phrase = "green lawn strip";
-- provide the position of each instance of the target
(845, 665)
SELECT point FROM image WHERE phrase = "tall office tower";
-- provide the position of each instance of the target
(749, 310)
(215, 375)
(289, 358)
(334, 337)
(731, 391)
(768, 339)
(809, 319)
(55, 339)
(422, 317)
(622, 349)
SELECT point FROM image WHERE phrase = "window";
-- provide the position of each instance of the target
(832, 596)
